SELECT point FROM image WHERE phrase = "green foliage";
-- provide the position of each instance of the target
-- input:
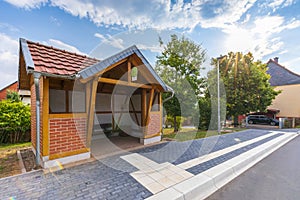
(246, 83)
(13, 96)
(179, 121)
(14, 121)
(179, 67)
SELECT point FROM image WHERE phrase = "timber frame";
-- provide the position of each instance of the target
(104, 88)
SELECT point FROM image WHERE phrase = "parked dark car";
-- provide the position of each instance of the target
(262, 119)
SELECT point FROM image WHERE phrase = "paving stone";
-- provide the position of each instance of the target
(110, 178)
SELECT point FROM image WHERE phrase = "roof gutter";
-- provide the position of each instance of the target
(169, 89)
(37, 77)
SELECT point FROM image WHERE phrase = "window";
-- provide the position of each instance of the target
(66, 97)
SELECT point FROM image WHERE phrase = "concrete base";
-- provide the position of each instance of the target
(65, 160)
(146, 141)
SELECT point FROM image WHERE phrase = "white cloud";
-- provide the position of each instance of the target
(152, 48)
(110, 40)
(9, 59)
(155, 14)
(27, 4)
(61, 45)
(260, 37)
(276, 4)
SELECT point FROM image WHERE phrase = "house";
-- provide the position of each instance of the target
(12, 87)
(24, 94)
(70, 92)
(287, 102)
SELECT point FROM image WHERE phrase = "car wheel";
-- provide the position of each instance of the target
(250, 122)
(273, 123)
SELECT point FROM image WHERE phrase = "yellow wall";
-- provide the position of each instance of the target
(288, 101)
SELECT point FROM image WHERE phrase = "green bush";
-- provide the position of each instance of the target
(14, 122)
(179, 121)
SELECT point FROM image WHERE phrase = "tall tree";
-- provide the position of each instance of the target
(179, 66)
(246, 83)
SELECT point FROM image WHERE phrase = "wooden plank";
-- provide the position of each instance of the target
(103, 71)
(90, 119)
(149, 105)
(45, 116)
(125, 83)
(137, 119)
(67, 115)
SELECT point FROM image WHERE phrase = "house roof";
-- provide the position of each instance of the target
(49, 60)
(52, 61)
(281, 75)
(94, 69)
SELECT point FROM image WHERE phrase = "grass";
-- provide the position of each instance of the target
(191, 134)
(9, 160)
(14, 146)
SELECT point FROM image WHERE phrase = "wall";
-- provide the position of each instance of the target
(154, 125)
(66, 135)
(287, 101)
(11, 87)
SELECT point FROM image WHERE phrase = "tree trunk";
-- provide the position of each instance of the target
(175, 125)
(236, 120)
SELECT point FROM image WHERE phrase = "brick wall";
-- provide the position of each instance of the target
(67, 134)
(154, 123)
(11, 87)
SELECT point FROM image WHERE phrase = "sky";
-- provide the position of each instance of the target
(267, 28)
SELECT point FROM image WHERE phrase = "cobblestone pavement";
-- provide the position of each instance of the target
(110, 178)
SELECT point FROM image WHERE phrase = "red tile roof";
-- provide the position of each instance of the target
(52, 60)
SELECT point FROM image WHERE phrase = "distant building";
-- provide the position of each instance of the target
(24, 94)
(12, 87)
(287, 102)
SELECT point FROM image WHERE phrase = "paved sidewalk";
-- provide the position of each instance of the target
(139, 174)
(276, 177)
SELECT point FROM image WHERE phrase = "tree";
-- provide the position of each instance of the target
(13, 96)
(246, 83)
(179, 66)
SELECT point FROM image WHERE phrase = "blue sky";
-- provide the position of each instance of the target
(267, 28)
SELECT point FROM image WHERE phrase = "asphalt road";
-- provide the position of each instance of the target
(275, 177)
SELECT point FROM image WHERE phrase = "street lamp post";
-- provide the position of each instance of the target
(218, 98)
(219, 107)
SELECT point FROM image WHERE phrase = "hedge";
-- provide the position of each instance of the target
(14, 122)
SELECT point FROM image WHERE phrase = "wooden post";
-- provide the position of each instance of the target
(45, 117)
(149, 105)
(129, 71)
(90, 119)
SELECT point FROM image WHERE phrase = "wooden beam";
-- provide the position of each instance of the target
(129, 71)
(144, 107)
(137, 119)
(119, 119)
(45, 117)
(90, 116)
(115, 82)
(149, 105)
(104, 70)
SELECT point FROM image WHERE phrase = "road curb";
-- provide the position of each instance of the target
(21, 164)
(204, 184)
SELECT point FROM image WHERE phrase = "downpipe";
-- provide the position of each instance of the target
(37, 77)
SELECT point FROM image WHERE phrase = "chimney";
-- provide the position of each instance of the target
(276, 59)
